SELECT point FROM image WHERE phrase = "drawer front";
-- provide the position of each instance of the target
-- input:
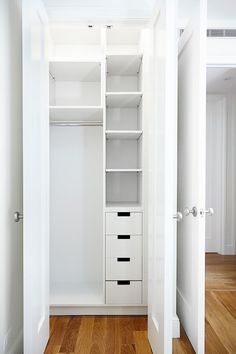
(124, 268)
(124, 246)
(124, 223)
(125, 293)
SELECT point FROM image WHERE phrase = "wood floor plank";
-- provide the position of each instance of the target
(126, 330)
(98, 343)
(222, 322)
(141, 343)
(112, 342)
(84, 339)
(212, 341)
(182, 345)
(71, 335)
(57, 334)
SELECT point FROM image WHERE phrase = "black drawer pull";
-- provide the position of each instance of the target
(123, 237)
(123, 282)
(123, 259)
(123, 213)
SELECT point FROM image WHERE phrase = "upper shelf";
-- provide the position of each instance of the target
(75, 113)
(123, 65)
(75, 71)
(123, 99)
(123, 134)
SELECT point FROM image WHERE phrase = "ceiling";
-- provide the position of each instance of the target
(98, 10)
(221, 80)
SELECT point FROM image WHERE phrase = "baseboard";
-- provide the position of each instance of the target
(228, 250)
(97, 310)
(175, 327)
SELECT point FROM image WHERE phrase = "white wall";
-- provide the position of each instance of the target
(10, 179)
(221, 172)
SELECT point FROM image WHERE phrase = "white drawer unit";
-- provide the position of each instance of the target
(124, 292)
(124, 223)
(124, 268)
(124, 246)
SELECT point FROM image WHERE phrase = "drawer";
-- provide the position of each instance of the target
(124, 268)
(124, 246)
(124, 223)
(124, 292)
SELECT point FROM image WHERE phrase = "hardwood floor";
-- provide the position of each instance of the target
(98, 335)
(128, 334)
(220, 324)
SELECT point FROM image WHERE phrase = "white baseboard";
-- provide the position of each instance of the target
(97, 310)
(175, 327)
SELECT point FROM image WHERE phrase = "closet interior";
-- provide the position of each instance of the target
(97, 140)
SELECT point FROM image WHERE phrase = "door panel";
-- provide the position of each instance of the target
(191, 176)
(161, 179)
(35, 178)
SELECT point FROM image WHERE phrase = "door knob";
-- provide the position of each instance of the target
(209, 211)
(192, 211)
(178, 216)
(18, 216)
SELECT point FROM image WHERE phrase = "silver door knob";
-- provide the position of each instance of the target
(192, 211)
(18, 216)
(178, 216)
(209, 211)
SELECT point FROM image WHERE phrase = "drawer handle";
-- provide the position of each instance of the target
(123, 282)
(123, 213)
(123, 237)
(123, 259)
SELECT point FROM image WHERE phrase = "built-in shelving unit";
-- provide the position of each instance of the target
(96, 79)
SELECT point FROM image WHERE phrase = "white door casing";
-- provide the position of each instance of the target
(191, 176)
(161, 137)
(35, 177)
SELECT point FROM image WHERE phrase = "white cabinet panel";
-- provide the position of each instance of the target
(124, 292)
(124, 246)
(123, 223)
(124, 268)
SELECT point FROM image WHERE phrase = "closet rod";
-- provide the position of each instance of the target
(78, 123)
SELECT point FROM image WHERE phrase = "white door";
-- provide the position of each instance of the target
(191, 176)
(162, 150)
(35, 177)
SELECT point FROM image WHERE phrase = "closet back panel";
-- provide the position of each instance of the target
(76, 244)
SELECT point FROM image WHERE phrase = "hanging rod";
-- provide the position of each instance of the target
(78, 123)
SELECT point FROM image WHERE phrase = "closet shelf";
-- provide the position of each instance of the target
(123, 99)
(123, 170)
(126, 206)
(75, 71)
(74, 294)
(123, 134)
(123, 65)
(76, 113)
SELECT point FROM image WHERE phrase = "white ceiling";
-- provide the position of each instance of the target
(220, 13)
(221, 80)
(95, 10)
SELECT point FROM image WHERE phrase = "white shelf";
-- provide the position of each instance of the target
(123, 134)
(123, 99)
(75, 113)
(75, 71)
(123, 170)
(127, 65)
(126, 206)
(75, 294)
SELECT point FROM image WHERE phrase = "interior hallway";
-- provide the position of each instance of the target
(127, 334)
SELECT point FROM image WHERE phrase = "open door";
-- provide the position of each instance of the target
(161, 180)
(191, 177)
(35, 177)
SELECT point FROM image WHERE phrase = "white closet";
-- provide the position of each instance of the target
(96, 161)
